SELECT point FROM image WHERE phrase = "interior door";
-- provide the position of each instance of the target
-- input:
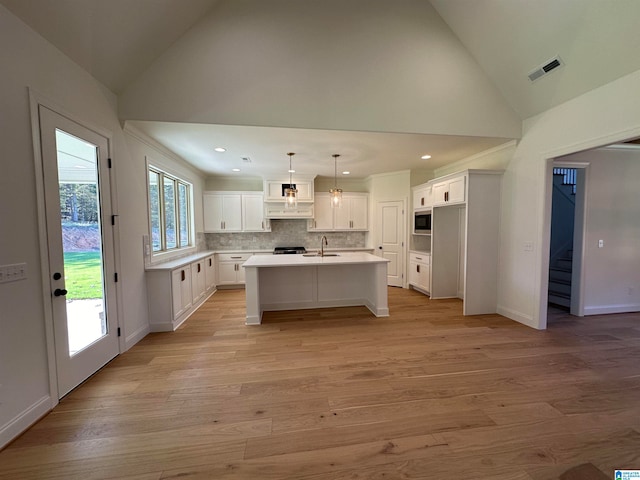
(390, 232)
(80, 243)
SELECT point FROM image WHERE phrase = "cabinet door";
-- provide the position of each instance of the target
(240, 276)
(253, 213)
(197, 280)
(232, 212)
(414, 274)
(423, 276)
(359, 213)
(323, 213)
(227, 273)
(181, 290)
(209, 273)
(439, 190)
(456, 190)
(213, 208)
(428, 196)
(305, 191)
(420, 198)
(342, 215)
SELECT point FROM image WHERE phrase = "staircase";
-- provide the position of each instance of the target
(560, 264)
(560, 280)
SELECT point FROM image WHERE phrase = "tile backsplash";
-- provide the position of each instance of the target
(284, 233)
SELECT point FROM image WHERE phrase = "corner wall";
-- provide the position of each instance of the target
(611, 279)
(608, 114)
(29, 61)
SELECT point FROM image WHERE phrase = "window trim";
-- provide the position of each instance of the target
(163, 177)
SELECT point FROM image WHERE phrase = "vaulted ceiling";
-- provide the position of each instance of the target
(450, 74)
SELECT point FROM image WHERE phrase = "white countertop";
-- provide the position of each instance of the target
(302, 261)
(186, 260)
(179, 262)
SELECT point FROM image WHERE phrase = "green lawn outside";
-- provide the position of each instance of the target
(83, 278)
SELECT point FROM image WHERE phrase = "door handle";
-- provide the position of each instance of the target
(59, 292)
(418, 267)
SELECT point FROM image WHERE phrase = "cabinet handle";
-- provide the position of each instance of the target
(418, 268)
(263, 225)
(418, 258)
(183, 277)
(421, 201)
(236, 258)
(209, 262)
(198, 267)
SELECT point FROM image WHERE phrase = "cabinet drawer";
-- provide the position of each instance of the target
(233, 257)
(423, 258)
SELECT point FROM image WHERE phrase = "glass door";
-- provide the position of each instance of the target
(80, 242)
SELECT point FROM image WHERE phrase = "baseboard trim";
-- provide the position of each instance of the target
(136, 336)
(28, 417)
(604, 310)
(517, 316)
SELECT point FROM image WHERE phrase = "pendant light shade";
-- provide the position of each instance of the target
(336, 193)
(291, 193)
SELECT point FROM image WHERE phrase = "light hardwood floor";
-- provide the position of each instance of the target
(339, 394)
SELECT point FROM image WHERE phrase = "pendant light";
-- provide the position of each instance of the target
(291, 193)
(336, 193)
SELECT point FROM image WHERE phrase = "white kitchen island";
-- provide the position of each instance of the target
(291, 282)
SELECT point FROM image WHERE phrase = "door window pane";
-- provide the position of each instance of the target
(81, 241)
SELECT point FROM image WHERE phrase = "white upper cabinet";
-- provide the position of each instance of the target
(274, 189)
(353, 215)
(422, 197)
(253, 213)
(226, 212)
(323, 213)
(222, 212)
(450, 191)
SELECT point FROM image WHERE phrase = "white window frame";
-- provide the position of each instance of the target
(165, 177)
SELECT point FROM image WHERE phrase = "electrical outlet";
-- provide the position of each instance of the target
(13, 273)
(600, 243)
(528, 246)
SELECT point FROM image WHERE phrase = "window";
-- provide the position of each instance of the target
(169, 211)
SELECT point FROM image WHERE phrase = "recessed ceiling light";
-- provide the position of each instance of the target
(292, 171)
(425, 157)
(220, 149)
(235, 169)
(346, 172)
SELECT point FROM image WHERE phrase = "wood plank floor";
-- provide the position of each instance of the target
(339, 394)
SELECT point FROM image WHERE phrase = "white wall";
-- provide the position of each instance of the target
(365, 65)
(493, 159)
(603, 116)
(612, 215)
(29, 61)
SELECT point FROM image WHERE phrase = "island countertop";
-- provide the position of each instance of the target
(345, 258)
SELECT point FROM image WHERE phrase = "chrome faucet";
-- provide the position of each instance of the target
(323, 242)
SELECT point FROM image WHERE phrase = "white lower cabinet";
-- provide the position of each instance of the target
(197, 280)
(210, 272)
(230, 271)
(181, 291)
(419, 271)
(176, 289)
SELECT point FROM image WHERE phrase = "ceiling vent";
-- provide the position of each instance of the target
(543, 70)
(246, 160)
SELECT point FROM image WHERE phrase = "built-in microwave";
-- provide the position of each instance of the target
(422, 223)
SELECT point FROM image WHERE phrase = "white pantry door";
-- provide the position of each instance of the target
(390, 232)
(80, 244)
